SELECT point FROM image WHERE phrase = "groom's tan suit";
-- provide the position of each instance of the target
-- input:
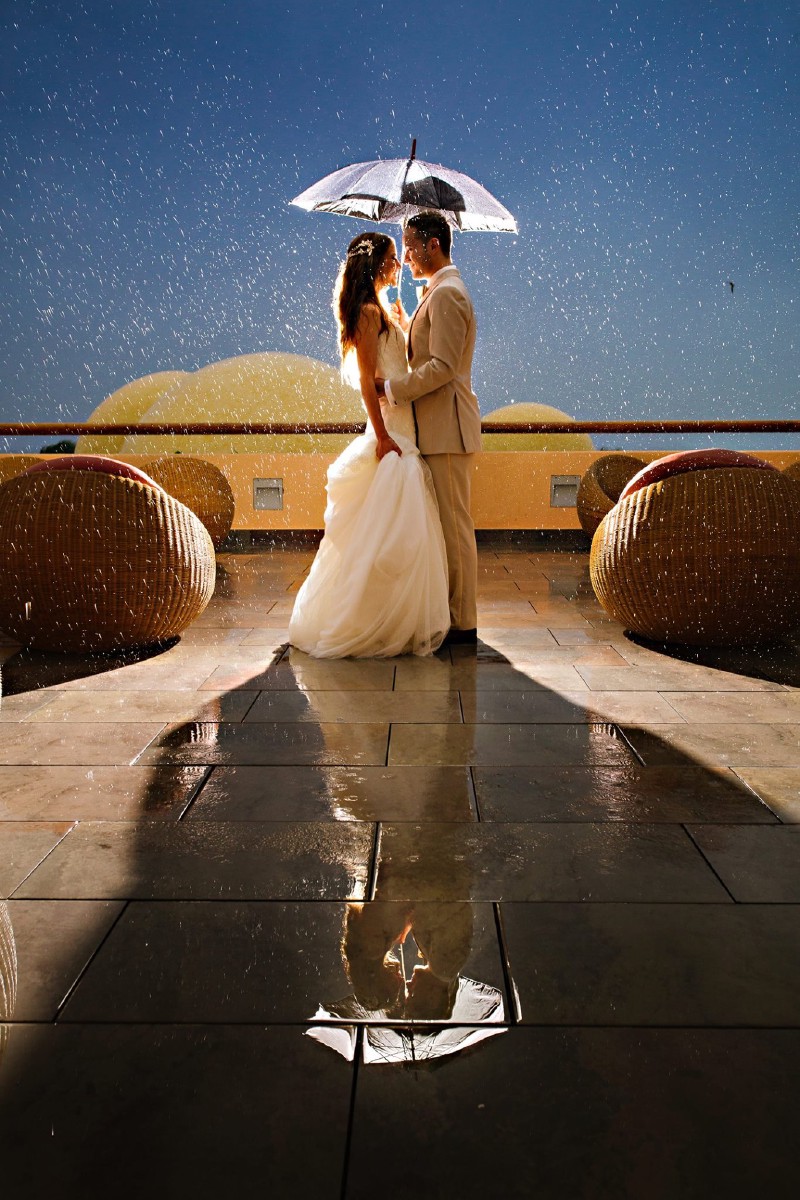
(440, 348)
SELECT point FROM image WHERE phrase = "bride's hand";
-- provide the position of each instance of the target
(387, 445)
(399, 314)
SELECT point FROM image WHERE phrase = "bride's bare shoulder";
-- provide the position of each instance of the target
(369, 322)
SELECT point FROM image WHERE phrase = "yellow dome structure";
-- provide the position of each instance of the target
(127, 405)
(522, 414)
(270, 386)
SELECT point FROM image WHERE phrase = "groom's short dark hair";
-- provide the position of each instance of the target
(430, 224)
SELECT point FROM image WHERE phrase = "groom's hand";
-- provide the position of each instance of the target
(380, 387)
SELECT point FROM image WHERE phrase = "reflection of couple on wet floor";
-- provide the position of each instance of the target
(397, 567)
(404, 959)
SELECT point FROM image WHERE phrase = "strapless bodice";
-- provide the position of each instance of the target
(392, 361)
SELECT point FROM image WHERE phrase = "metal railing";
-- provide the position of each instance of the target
(232, 428)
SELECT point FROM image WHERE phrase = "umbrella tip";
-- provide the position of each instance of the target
(413, 149)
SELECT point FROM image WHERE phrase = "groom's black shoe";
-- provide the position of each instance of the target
(461, 637)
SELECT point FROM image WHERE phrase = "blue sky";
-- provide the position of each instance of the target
(647, 149)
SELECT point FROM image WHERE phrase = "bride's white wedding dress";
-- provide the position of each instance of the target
(378, 585)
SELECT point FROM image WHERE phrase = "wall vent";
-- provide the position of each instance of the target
(564, 491)
(267, 494)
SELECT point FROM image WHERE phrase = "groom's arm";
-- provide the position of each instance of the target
(449, 313)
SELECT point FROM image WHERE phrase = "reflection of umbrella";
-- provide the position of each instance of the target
(478, 1013)
(393, 189)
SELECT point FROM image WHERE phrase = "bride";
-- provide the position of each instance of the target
(378, 585)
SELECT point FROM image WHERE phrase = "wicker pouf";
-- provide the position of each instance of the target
(705, 558)
(599, 489)
(793, 470)
(92, 561)
(199, 485)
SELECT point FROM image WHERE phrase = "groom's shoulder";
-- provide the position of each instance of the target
(454, 287)
(453, 281)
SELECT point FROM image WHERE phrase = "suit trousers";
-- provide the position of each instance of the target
(452, 478)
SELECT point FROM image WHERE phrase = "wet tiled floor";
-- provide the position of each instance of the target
(514, 921)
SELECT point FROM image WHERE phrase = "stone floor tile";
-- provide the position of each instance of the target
(530, 640)
(174, 962)
(20, 707)
(492, 621)
(336, 794)
(498, 589)
(506, 745)
(591, 635)
(300, 671)
(55, 743)
(600, 862)
(96, 793)
(23, 845)
(270, 744)
(543, 673)
(592, 1113)
(671, 676)
(171, 1111)
(757, 863)
(249, 675)
(715, 745)
(436, 673)
(53, 942)
(236, 616)
(655, 964)
(146, 706)
(28, 670)
(626, 792)
(183, 672)
(660, 672)
(267, 638)
(731, 668)
(202, 860)
(779, 787)
(763, 708)
(518, 566)
(356, 707)
(198, 636)
(544, 706)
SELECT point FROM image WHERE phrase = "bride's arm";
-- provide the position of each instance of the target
(366, 346)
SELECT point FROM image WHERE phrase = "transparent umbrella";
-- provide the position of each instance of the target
(392, 190)
(478, 1013)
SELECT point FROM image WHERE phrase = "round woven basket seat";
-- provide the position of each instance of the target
(710, 557)
(93, 561)
(599, 489)
(793, 470)
(199, 485)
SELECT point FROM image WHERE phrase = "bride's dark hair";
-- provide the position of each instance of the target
(356, 285)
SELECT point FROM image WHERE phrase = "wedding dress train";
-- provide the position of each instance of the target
(378, 585)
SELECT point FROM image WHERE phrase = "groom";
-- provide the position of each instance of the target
(441, 342)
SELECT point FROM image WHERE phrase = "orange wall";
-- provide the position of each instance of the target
(511, 489)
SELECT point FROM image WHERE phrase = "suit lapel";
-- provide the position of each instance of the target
(417, 311)
(421, 305)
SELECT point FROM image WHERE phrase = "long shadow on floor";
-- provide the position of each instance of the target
(778, 662)
(319, 878)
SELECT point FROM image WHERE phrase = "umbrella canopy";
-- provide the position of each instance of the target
(478, 1013)
(394, 189)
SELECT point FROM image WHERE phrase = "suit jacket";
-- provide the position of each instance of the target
(440, 347)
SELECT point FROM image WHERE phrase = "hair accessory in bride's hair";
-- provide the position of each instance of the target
(361, 248)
